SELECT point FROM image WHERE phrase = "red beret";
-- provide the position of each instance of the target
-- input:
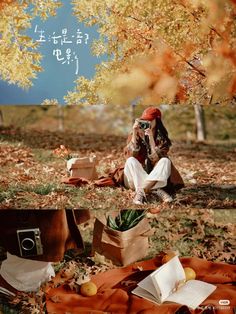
(151, 113)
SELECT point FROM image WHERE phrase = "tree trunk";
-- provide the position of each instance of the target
(1, 119)
(200, 123)
(60, 118)
(133, 113)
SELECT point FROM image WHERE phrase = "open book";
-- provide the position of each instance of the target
(167, 284)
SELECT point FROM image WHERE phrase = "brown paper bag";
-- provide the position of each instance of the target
(84, 167)
(122, 247)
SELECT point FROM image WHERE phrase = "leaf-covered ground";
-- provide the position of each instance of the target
(30, 170)
(200, 222)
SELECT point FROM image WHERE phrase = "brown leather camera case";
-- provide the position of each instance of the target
(59, 231)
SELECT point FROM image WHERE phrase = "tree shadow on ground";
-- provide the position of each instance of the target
(51, 140)
(212, 196)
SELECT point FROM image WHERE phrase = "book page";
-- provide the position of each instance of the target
(145, 294)
(192, 294)
(166, 277)
(147, 284)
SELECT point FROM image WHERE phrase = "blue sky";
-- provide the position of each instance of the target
(65, 57)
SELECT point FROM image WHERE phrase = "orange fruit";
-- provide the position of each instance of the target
(189, 273)
(155, 210)
(167, 257)
(88, 289)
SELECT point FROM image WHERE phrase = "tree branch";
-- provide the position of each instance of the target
(191, 65)
(214, 30)
(178, 54)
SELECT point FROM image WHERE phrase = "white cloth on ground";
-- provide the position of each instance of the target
(25, 274)
(135, 177)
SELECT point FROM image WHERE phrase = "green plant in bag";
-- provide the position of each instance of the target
(126, 219)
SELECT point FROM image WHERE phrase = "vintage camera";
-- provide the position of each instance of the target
(144, 124)
(29, 241)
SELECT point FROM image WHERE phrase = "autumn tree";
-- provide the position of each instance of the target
(171, 51)
(19, 55)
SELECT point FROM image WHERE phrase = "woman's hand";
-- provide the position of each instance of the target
(136, 131)
(136, 125)
(149, 133)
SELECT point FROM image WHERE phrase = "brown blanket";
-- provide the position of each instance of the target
(113, 179)
(114, 291)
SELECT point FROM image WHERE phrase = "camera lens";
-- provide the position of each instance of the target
(144, 125)
(27, 244)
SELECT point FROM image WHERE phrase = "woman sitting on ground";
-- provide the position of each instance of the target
(148, 168)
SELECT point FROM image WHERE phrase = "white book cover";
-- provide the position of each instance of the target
(162, 286)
